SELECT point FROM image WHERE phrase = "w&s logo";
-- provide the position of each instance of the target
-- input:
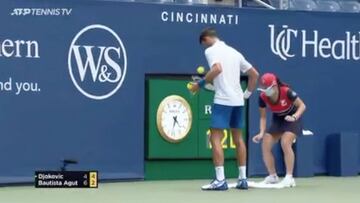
(97, 62)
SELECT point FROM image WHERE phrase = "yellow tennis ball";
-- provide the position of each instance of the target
(200, 69)
(189, 85)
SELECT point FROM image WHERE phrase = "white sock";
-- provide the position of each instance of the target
(219, 171)
(242, 172)
(288, 176)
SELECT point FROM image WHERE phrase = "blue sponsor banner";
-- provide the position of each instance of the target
(72, 76)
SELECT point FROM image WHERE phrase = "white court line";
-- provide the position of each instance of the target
(262, 185)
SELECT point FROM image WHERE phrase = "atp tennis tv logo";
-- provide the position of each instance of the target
(97, 62)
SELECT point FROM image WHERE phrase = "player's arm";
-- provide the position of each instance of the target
(252, 73)
(214, 62)
(253, 77)
(215, 70)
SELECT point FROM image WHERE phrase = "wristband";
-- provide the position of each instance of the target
(294, 117)
(247, 94)
(201, 83)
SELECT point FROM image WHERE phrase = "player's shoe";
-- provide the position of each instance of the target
(242, 184)
(216, 185)
(271, 179)
(288, 182)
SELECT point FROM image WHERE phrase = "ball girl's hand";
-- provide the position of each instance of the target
(257, 138)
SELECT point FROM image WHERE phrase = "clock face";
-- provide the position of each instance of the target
(174, 118)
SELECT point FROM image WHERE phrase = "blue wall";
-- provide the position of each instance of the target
(39, 128)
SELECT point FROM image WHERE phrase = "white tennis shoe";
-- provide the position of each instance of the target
(271, 179)
(288, 182)
(216, 185)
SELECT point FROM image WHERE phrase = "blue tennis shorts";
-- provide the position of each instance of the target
(224, 117)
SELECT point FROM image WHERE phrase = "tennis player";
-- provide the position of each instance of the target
(226, 65)
(287, 108)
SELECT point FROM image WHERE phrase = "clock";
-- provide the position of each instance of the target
(174, 118)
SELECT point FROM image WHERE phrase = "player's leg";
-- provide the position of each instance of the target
(287, 140)
(240, 150)
(237, 124)
(241, 154)
(219, 121)
(267, 144)
(217, 151)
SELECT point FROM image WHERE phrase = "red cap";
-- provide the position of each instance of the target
(268, 79)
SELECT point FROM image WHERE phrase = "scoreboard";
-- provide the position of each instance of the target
(66, 179)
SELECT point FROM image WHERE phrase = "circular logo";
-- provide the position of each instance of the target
(97, 62)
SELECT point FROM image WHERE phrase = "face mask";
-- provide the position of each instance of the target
(269, 91)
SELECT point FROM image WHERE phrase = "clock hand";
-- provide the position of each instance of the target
(175, 121)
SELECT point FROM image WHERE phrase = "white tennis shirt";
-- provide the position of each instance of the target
(227, 85)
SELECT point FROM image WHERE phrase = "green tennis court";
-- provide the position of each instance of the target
(318, 189)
